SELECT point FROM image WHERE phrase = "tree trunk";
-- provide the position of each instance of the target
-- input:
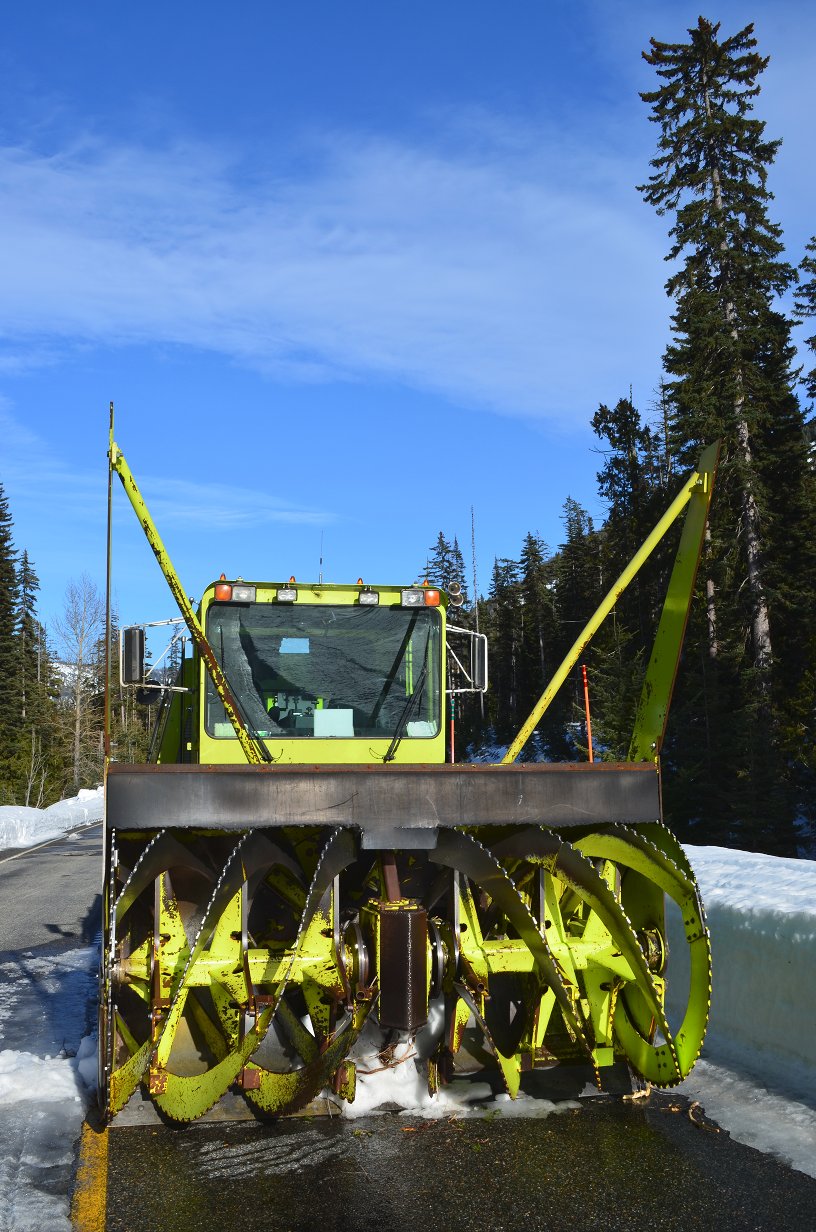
(760, 625)
(711, 601)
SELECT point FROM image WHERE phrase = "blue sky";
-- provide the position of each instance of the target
(345, 271)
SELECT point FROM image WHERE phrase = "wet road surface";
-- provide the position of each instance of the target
(605, 1166)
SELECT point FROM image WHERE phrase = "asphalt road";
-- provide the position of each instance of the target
(51, 895)
(607, 1165)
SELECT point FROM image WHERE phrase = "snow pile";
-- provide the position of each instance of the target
(396, 1080)
(25, 1078)
(757, 1076)
(761, 913)
(44, 1089)
(24, 827)
(41, 1110)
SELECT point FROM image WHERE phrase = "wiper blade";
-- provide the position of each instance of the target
(402, 722)
(395, 666)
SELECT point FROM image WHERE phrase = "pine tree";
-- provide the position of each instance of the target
(9, 679)
(458, 573)
(29, 638)
(445, 564)
(34, 767)
(631, 482)
(578, 587)
(537, 601)
(805, 307)
(730, 364)
(502, 624)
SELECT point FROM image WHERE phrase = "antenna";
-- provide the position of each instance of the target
(106, 738)
(473, 560)
(475, 588)
(320, 570)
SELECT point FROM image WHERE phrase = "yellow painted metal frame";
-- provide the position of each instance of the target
(656, 696)
(118, 464)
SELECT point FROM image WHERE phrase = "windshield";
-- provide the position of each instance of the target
(327, 671)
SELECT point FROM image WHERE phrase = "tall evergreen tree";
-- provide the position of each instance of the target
(537, 618)
(578, 585)
(29, 638)
(730, 364)
(34, 752)
(805, 307)
(458, 573)
(9, 679)
(445, 564)
(502, 624)
(631, 482)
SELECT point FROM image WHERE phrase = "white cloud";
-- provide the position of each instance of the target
(37, 475)
(501, 268)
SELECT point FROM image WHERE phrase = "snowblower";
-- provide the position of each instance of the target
(298, 859)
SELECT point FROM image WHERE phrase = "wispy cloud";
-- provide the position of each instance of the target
(37, 475)
(496, 265)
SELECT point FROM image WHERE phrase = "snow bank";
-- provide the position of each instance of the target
(755, 1115)
(25, 827)
(757, 1076)
(761, 912)
(44, 1089)
(42, 1104)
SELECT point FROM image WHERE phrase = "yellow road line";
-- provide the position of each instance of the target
(90, 1194)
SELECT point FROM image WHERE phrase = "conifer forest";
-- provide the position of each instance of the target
(740, 753)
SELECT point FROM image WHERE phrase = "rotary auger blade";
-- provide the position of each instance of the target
(466, 854)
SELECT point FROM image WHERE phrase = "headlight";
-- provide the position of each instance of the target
(420, 596)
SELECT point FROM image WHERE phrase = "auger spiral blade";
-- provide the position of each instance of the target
(578, 873)
(466, 854)
(180, 980)
(654, 855)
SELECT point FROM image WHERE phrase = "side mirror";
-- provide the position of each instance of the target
(132, 651)
(479, 662)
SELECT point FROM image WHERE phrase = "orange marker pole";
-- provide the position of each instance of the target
(586, 706)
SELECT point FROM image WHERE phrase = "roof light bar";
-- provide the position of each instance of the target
(420, 596)
(233, 592)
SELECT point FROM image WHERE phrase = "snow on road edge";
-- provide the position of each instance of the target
(757, 1076)
(24, 827)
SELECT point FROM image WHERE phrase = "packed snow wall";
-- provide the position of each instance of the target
(762, 916)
